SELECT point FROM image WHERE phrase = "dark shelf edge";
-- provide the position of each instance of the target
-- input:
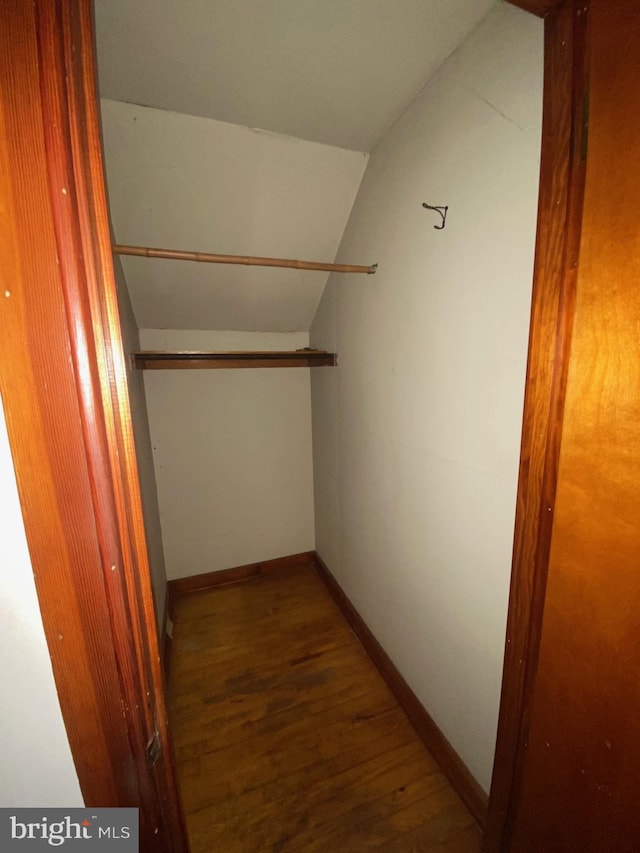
(230, 360)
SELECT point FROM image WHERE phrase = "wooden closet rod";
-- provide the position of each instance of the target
(204, 257)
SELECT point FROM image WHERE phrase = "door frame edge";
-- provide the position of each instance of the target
(104, 577)
(561, 194)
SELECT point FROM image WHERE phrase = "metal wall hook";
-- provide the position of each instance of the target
(442, 210)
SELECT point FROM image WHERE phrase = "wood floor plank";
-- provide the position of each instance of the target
(287, 738)
(211, 724)
(266, 658)
(324, 802)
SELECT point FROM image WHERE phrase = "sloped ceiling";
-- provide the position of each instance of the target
(333, 71)
(322, 79)
(183, 182)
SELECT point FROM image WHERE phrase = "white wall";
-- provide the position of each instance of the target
(144, 456)
(182, 182)
(416, 434)
(336, 72)
(232, 453)
(37, 767)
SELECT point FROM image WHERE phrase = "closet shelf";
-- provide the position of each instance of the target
(153, 360)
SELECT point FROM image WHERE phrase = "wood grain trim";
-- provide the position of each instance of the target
(450, 762)
(557, 250)
(198, 583)
(541, 8)
(44, 430)
(165, 639)
(64, 388)
(74, 162)
(230, 360)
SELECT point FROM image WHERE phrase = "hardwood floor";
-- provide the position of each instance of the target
(287, 738)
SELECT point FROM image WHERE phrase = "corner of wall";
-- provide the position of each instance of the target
(144, 455)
